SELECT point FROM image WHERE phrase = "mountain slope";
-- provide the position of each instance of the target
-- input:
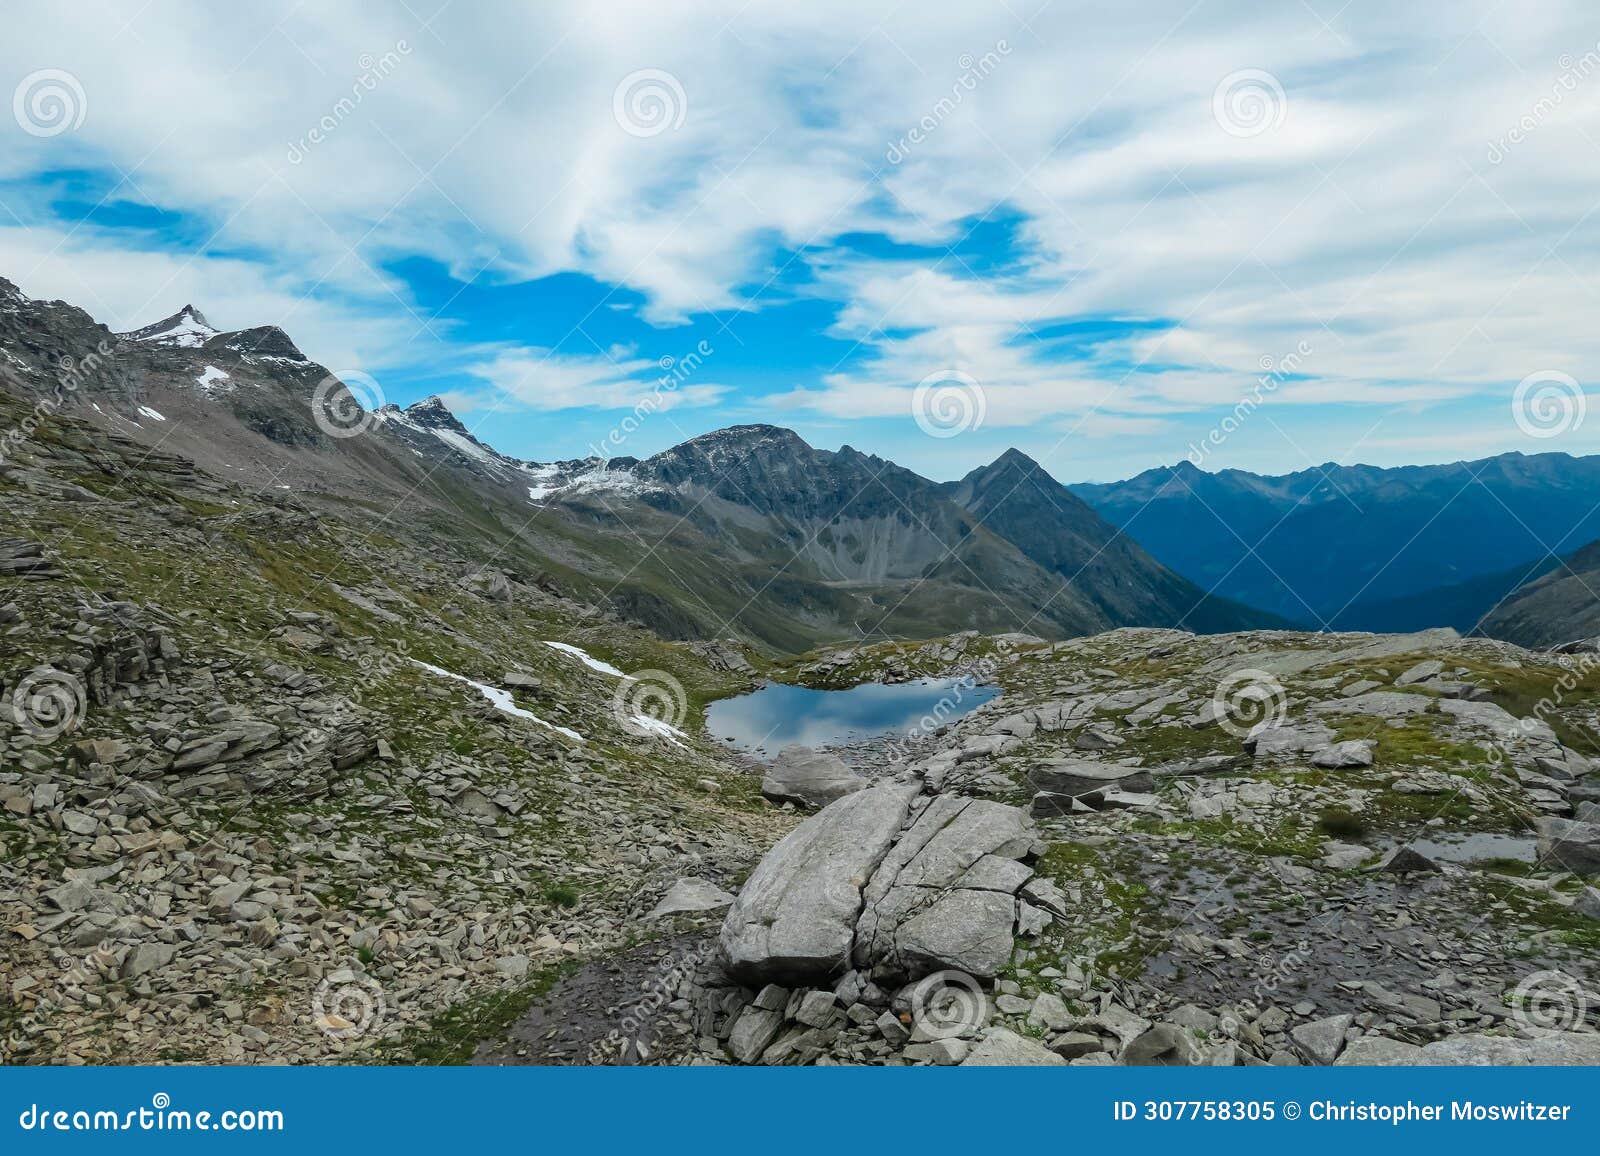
(1055, 528)
(1561, 605)
(1323, 545)
(747, 532)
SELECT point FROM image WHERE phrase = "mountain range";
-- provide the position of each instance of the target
(750, 533)
(747, 532)
(1359, 547)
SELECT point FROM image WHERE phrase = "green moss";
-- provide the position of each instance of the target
(452, 1037)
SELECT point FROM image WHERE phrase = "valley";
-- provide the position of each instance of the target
(331, 734)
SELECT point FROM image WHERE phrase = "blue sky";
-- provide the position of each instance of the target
(930, 232)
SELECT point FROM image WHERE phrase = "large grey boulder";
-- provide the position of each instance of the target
(1381, 703)
(1321, 1041)
(944, 897)
(795, 918)
(872, 882)
(1557, 1049)
(1575, 846)
(809, 778)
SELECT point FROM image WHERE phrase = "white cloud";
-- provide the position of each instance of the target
(541, 379)
(1371, 223)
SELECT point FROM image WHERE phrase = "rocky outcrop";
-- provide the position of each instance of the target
(809, 778)
(1573, 845)
(893, 883)
(795, 918)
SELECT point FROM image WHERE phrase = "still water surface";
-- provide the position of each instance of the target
(777, 715)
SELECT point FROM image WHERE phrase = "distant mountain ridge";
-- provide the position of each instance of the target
(745, 532)
(1353, 547)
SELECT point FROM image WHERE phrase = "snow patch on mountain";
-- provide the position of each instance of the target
(214, 380)
(187, 329)
(586, 658)
(501, 700)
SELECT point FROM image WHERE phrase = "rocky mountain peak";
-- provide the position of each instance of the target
(187, 328)
(432, 413)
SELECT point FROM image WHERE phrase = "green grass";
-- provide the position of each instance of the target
(452, 1037)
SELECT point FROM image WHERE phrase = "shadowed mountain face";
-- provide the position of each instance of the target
(1561, 605)
(1352, 547)
(746, 532)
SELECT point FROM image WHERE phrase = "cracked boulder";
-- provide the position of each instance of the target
(795, 918)
(877, 882)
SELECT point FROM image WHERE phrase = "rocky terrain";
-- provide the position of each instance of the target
(307, 772)
(1158, 848)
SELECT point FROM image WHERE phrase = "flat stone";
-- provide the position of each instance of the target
(809, 778)
(1425, 669)
(1003, 1048)
(1379, 1051)
(1321, 1041)
(690, 895)
(1350, 753)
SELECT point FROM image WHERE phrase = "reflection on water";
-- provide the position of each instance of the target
(1477, 847)
(778, 715)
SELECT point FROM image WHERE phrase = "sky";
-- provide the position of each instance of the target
(1262, 236)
